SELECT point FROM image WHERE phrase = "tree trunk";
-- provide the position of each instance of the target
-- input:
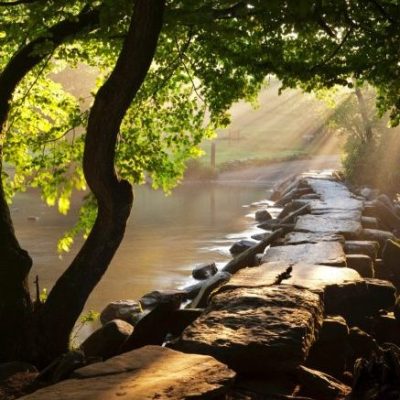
(16, 309)
(364, 114)
(114, 197)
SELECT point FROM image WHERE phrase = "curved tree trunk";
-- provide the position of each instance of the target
(114, 197)
(16, 311)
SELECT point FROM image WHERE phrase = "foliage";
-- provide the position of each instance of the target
(371, 161)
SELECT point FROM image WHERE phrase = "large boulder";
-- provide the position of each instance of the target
(386, 328)
(256, 329)
(361, 345)
(391, 258)
(108, 340)
(127, 310)
(145, 374)
(157, 297)
(377, 235)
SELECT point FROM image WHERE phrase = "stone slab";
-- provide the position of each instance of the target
(325, 253)
(311, 237)
(329, 224)
(311, 277)
(151, 372)
(257, 330)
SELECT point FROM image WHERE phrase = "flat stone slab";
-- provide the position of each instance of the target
(150, 372)
(257, 329)
(311, 277)
(325, 253)
(311, 237)
(329, 224)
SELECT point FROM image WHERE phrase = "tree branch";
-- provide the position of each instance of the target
(17, 2)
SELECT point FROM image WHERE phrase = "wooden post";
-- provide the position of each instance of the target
(213, 151)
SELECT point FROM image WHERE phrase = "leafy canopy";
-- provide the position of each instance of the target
(211, 53)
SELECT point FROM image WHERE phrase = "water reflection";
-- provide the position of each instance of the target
(165, 237)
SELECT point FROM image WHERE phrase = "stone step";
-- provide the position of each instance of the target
(325, 253)
(257, 330)
(151, 372)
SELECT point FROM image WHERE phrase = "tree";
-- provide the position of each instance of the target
(148, 115)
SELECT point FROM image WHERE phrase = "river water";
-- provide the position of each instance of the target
(165, 238)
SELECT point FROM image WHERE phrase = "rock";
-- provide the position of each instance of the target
(260, 236)
(154, 326)
(369, 223)
(262, 215)
(383, 271)
(310, 237)
(62, 367)
(329, 224)
(362, 264)
(204, 271)
(379, 377)
(153, 299)
(366, 247)
(256, 329)
(356, 301)
(386, 329)
(108, 340)
(313, 277)
(241, 246)
(127, 310)
(146, 374)
(327, 253)
(321, 386)
(361, 345)
(387, 215)
(328, 354)
(391, 259)
(377, 235)
(247, 258)
(181, 319)
(368, 193)
(213, 283)
(293, 194)
(383, 198)
(8, 369)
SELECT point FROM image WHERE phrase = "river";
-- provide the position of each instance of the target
(165, 237)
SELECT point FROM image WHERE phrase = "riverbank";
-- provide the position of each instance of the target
(292, 327)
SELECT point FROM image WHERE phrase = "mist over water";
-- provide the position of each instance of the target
(165, 236)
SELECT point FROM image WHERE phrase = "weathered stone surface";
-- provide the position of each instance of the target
(383, 271)
(321, 386)
(257, 330)
(326, 253)
(148, 373)
(377, 235)
(367, 247)
(262, 215)
(241, 246)
(356, 300)
(107, 341)
(329, 224)
(311, 237)
(328, 354)
(204, 271)
(127, 310)
(362, 264)
(313, 277)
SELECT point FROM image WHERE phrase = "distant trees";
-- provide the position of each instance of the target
(161, 71)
